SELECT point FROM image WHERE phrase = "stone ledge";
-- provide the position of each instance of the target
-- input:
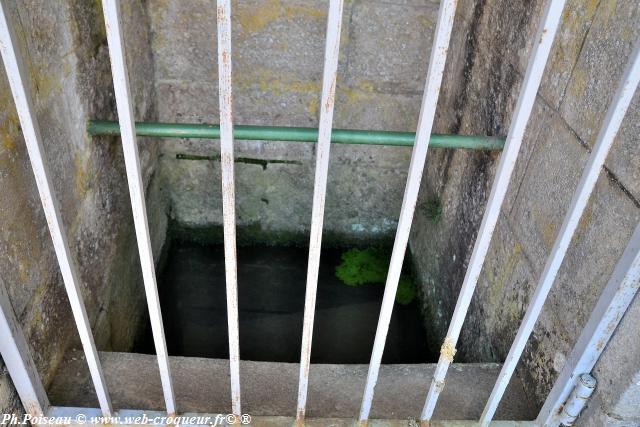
(270, 388)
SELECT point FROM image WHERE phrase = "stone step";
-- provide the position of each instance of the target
(270, 388)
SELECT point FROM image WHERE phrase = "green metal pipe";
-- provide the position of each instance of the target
(297, 134)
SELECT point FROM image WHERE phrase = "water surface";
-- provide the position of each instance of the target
(271, 287)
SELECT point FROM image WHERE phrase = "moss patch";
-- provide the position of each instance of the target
(369, 266)
(433, 210)
(250, 234)
(407, 290)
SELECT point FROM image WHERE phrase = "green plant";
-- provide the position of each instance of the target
(433, 210)
(369, 266)
(362, 266)
(406, 290)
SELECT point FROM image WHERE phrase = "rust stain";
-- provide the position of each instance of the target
(171, 416)
(332, 94)
(543, 35)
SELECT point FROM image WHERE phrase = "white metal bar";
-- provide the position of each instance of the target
(330, 72)
(545, 35)
(228, 196)
(437, 61)
(33, 140)
(136, 190)
(17, 356)
(615, 114)
(608, 312)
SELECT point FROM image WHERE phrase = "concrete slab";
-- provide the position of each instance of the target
(270, 389)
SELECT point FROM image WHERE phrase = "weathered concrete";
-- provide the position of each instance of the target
(278, 54)
(585, 67)
(65, 52)
(202, 385)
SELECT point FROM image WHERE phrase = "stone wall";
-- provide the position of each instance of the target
(278, 50)
(586, 64)
(64, 47)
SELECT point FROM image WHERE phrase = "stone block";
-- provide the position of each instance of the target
(545, 193)
(389, 46)
(577, 18)
(594, 80)
(184, 40)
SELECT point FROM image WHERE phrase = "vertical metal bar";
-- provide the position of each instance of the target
(136, 190)
(544, 37)
(437, 61)
(332, 47)
(33, 140)
(605, 317)
(228, 195)
(615, 114)
(17, 356)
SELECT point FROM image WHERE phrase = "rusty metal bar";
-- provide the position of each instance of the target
(537, 61)
(332, 47)
(228, 196)
(418, 158)
(605, 317)
(16, 355)
(613, 120)
(136, 191)
(18, 80)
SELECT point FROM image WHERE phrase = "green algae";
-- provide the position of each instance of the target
(369, 266)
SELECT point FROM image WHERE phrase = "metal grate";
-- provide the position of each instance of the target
(612, 305)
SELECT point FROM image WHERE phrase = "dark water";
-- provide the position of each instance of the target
(271, 286)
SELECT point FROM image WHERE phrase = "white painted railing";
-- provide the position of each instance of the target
(533, 76)
(228, 196)
(18, 81)
(136, 191)
(329, 79)
(621, 101)
(612, 305)
(418, 159)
